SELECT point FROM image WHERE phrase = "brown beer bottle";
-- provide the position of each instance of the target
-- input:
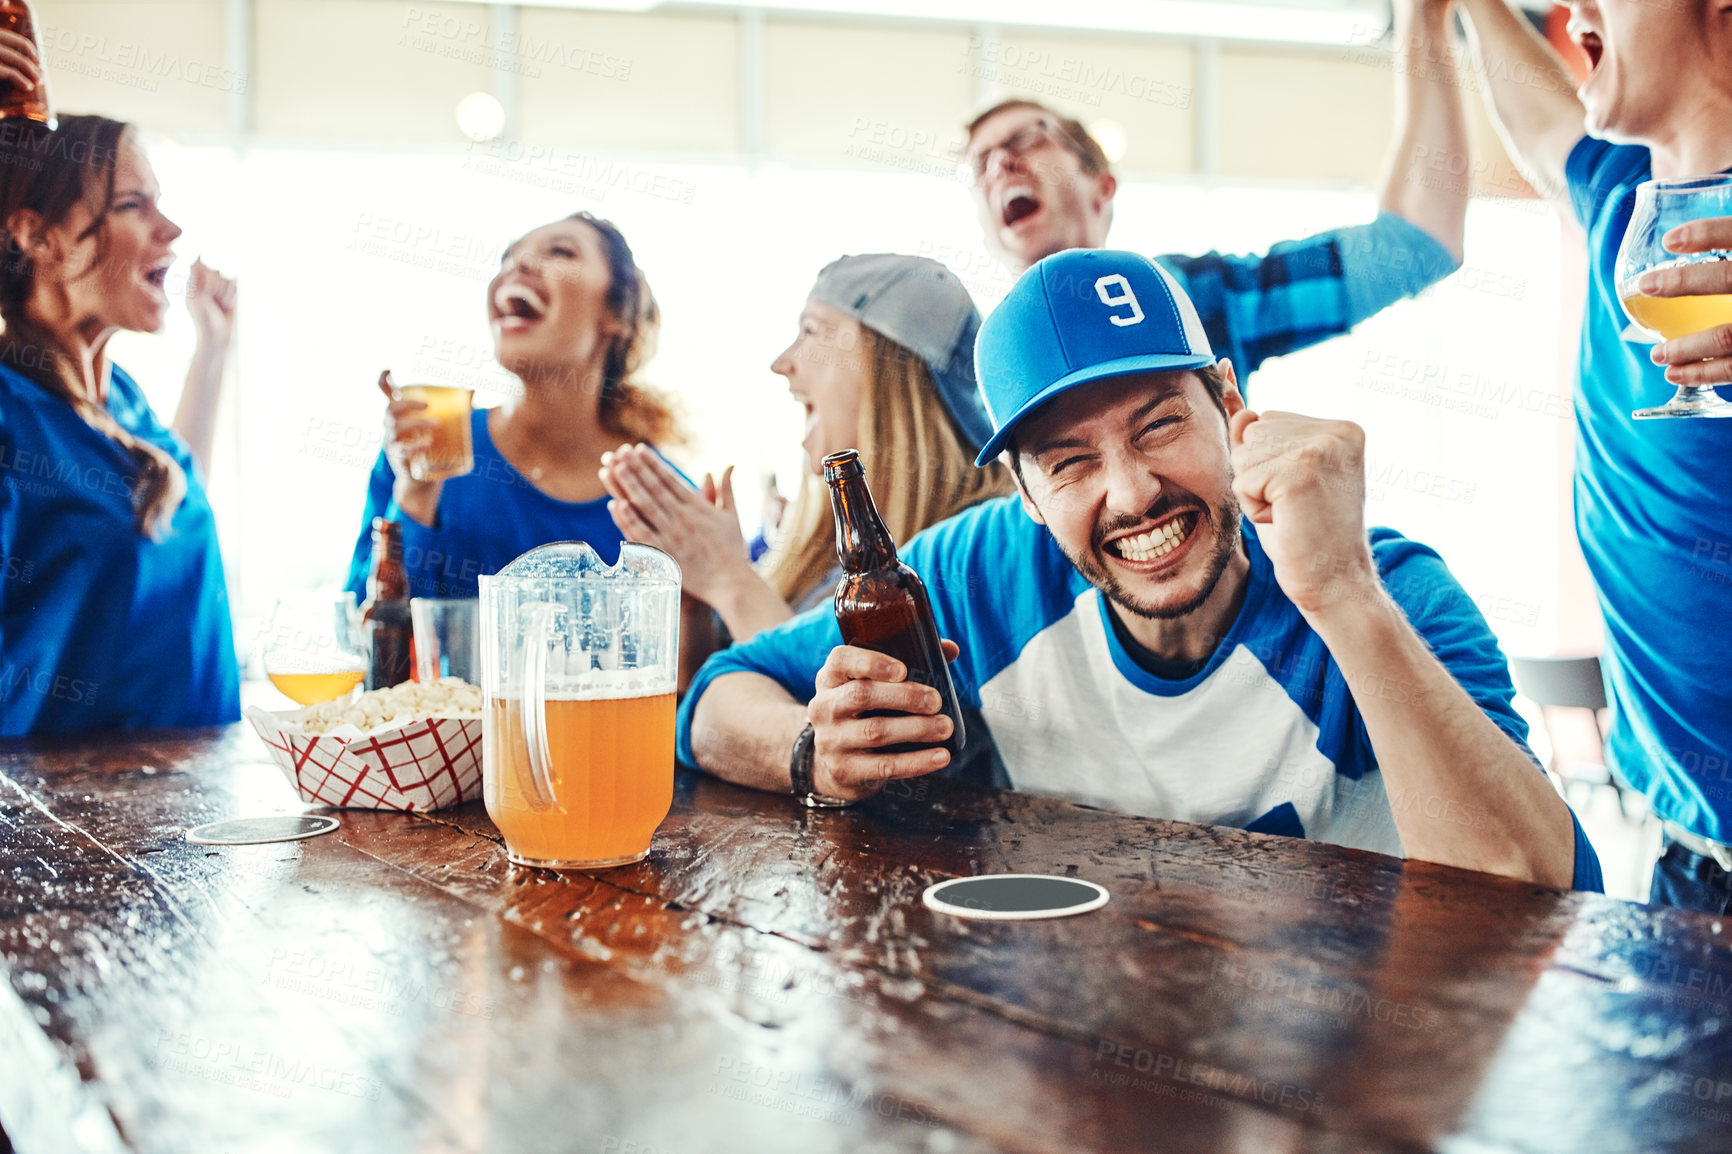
(385, 627)
(15, 101)
(881, 604)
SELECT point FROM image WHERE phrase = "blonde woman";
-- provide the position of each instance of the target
(883, 363)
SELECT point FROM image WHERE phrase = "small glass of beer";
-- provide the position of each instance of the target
(1662, 205)
(578, 667)
(308, 648)
(451, 451)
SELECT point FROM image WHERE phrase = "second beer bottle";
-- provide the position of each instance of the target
(881, 604)
(385, 626)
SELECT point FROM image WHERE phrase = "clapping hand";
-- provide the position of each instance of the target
(698, 527)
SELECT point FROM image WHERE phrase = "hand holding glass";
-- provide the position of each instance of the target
(1662, 205)
(448, 449)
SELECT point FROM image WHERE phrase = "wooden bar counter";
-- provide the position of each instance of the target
(768, 980)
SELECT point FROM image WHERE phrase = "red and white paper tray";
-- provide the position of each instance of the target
(420, 764)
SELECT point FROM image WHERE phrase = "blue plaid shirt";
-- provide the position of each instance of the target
(1305, 291)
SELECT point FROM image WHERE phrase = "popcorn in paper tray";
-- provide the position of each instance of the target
(415, 746)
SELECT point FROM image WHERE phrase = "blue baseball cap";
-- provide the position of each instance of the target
(1077, 317)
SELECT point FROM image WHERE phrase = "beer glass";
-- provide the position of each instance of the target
(451, 451)
(1662, 205)
(578, 666)
(309, 649)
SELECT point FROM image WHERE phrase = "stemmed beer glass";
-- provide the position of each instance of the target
(310, 648)
(1662, 205)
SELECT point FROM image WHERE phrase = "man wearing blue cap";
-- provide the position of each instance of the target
(1182, 615)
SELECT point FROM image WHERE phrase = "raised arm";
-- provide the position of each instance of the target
(1422, 182)
(1531, 94)
(210, 298)
(1461, 790)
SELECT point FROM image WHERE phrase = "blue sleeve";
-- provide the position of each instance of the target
(790, 654)
(1587, 877)
(378, 504)
(1304, 291)
(1389, 260)
(1442, 613)
(9, 559)
(1596, 168)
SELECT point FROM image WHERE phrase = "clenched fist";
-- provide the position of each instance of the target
(1302, 480)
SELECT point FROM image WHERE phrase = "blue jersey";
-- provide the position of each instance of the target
(101, 628)
(1265, 736)
(486, 519)
(1304, 291)
(1654, 516)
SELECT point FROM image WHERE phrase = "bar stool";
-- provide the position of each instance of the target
(1567, 688)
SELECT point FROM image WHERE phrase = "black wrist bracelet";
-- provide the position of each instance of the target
(800, 770)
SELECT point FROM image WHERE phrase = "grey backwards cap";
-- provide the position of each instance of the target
(919, 304)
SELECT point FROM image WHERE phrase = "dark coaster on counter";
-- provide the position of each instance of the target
(259, 830)
(1014, 897)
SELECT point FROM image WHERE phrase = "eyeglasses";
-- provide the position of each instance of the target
(1018, 144)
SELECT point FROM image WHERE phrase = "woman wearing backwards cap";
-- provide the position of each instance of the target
(884, 362)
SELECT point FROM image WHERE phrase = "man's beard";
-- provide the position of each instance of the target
(1222, 522)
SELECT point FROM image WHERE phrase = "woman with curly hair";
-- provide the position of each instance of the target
(114, 611)
(574, 320)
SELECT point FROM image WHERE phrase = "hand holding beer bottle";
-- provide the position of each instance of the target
(885, 705)
(865, 708)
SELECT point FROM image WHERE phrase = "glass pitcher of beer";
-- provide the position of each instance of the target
(578, 667)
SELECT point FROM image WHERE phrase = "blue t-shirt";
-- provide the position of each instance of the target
(1266, 736)
(1654, 516)
(101, 628)
(486, 519)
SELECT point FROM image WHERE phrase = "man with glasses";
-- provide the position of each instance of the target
(1041, 185)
